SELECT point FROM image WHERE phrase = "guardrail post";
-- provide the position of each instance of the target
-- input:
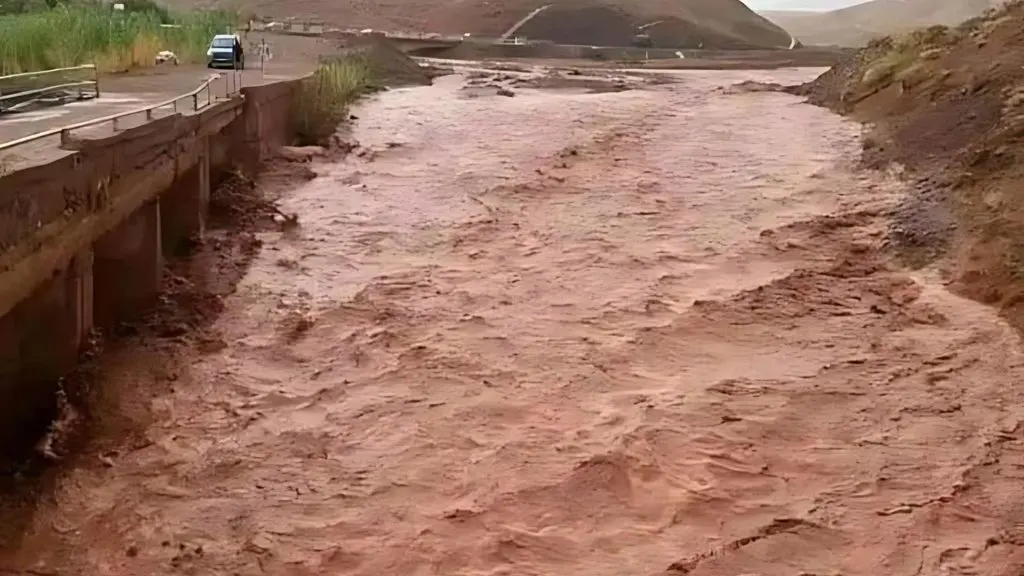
(149, 114)
(195, 101)
(65, 137)
(114, 122)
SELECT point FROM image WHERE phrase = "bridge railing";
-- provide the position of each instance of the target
(192, 101)
(27, 84)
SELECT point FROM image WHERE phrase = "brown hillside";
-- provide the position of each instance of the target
(948, 105)
(857, 25)
(580, 22)
(716, 23)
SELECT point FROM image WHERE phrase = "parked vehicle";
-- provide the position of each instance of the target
(226, 50)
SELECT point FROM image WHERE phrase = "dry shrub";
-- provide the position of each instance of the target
(899, 56)
(324, 97)
(140, 53)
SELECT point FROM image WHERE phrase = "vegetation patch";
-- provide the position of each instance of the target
(324, 97)
(114, 40)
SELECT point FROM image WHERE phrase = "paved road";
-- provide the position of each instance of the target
(123, 93)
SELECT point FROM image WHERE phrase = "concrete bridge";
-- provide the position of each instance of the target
(83, 237)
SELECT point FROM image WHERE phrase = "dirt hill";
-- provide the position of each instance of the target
(948, 106)
(720, 23)
(388, 64)
(857, 25)
(813, 5)
(715, 23)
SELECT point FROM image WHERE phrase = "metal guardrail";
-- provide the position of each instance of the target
(23, 93)
(49, 72)
(232, 84)
(18, 94)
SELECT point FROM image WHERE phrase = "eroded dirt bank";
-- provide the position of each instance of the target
(642, 332)
(947, 105)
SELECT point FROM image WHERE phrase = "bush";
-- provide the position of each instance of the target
(93, 33)
(324, 97)
(898, 57)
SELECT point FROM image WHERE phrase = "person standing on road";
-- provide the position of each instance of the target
(237, 49)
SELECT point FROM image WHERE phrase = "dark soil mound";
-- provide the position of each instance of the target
(390, 66)
(682, 33)
(948, 104)
(676, 32)
(582, 23)
(730, 19)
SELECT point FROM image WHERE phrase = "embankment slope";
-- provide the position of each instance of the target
(948, 106)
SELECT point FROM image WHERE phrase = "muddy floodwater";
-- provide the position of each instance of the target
(646, 332)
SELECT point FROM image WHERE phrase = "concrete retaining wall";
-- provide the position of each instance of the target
(83, 238)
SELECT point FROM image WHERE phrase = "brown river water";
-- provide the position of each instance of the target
(647, 332)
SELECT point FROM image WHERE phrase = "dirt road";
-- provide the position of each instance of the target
(646, 332)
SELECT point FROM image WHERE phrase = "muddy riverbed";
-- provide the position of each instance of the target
(651, 331)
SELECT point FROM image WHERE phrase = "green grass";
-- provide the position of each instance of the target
(324, 97)
(899, 57)
(84, 34)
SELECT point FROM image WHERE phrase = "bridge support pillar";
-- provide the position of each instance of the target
(128, 267)
(202, 201)
(40, 341)
(186, 205)
(81, 295)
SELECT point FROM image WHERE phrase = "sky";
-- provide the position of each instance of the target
(823, 5)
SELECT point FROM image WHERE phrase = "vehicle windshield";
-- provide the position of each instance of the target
(223, 43)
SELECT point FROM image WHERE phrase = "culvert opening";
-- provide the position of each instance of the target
(18, 450)
(51, 422)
